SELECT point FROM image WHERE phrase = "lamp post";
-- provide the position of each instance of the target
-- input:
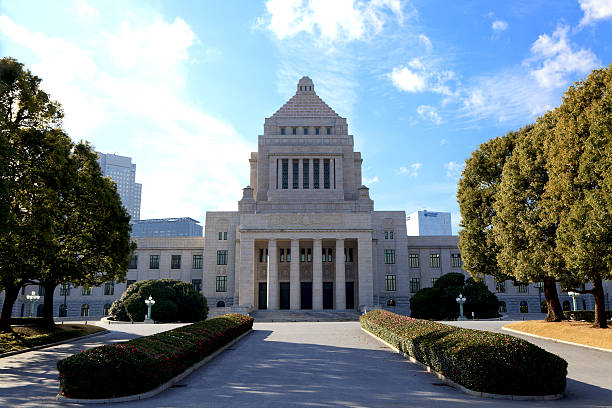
(573, 296)
(32, 298)
(461, 300)
(149, 302)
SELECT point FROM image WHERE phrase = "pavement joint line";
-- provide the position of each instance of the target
(13, 353)
(159, 389)
(571, 343)
(461, 387)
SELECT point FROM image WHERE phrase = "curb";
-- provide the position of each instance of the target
(556, 340)
(157, 390)
(461, 387)
(12, 353)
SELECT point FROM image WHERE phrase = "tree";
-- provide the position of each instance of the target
(523, 232)
(476, 195)
(580, 184)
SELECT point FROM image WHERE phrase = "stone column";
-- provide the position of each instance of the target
(279, 172)
(310, 170)
(294, 275)
(365, 274)
(317, 275)
(290, 171)
(321, 172)
(300, 174)
(340, 276)
(247, 271)
(273, 293)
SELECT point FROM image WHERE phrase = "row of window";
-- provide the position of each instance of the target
(328, 166)
(415, 283)
(523, 307)
(500, 287)
(305, 130)
(223, 236)
(109, 289)
(434, 260)
(284, 255)
(175, 262)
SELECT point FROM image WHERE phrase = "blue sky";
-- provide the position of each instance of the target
(184, 87)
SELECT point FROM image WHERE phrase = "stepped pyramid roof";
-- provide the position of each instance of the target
(305, 104)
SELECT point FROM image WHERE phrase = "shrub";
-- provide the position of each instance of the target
(439, 302)
(144, 363)
(586, 315)
(174, 301)
(478, 360)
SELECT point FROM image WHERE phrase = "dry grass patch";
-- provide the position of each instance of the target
(24, 337)
(576, 332)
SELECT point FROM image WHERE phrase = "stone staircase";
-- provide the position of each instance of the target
(262, 316)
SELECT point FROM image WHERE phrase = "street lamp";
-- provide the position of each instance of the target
(149, 302)
(461, 300)
(573, 296)
(32, 298)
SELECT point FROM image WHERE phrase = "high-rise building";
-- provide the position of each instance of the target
(123, 172)
(167, 227)
(428, 223)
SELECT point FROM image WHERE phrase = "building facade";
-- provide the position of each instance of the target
(167, 227)
(123, 172)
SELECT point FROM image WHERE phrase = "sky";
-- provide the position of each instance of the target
(183, 87)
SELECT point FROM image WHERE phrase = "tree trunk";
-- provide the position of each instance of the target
(10, 295)
(600, 305)
(555, 311)
(48, 303)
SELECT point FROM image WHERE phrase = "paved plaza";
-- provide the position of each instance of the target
(306, 364)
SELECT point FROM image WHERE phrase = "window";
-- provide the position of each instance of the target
(85, 310)
(388, 234)
(133, 262)
(500, 287)
(263, 258)
(288, 255)
(390, 284)
(308, 254)
(197, 284)
(197, 262)
(305, 130)
(522, 288)
(41, 290)
(221, 284)
(225, 236)
(348, 254)
(326, 173)
(220, 235)
(130, 282)
(175, 262)
(282, 131)
(502, 307)
(154, 262)
(315, 173)
(329, 131)
(63, 310)
(317, 131)
(222, 257)
(296, 173)
(433, 281)
(86, 291)
(415, 285)
(109, 288)
(65, 289)
(523, 308)
(456, 260)
(434, 260)
(294, 131)
(220, 303)
(323, 254)
(106, 309)
(305, 173)
(282, 255)
(389, 256)
(330, 257)
(414, 260)
(540, 286)
(302, 254)
(285, 174)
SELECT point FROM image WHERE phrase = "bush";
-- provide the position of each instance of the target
(25, 321)
(144, 363)
(174, 301)
(440, 302)
(586, 315)
(478, 360)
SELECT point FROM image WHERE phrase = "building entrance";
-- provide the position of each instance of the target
(306, 295)
(284, 295)
(263, 296)
(328, 295)
(350, 295)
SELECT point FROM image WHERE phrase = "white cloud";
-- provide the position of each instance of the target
(339, 20)
(367, 180)
(411, 170)
(595, 10)
(453, 169)
(443, 141)
(406, 80)
(554, 59)
(499, 25)
(84, 9)
(429, 113)
(423, 39)
(187, 160)
(419, 77)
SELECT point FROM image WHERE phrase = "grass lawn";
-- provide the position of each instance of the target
(576, 332)
(31, 336)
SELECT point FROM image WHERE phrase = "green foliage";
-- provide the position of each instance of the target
(440, 302)
(586, 315)
(478, 360)
(33, 336)
(144, 363)
(174, 301)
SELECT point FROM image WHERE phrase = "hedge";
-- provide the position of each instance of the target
(478, 360)
(586, 315)
(144, 363)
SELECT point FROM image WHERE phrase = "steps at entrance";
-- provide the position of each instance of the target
(305, 316)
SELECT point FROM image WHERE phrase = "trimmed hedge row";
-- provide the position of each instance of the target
(478, 360)
(144, 363)
(586, 315)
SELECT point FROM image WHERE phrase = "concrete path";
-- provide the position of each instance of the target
(325, 364)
